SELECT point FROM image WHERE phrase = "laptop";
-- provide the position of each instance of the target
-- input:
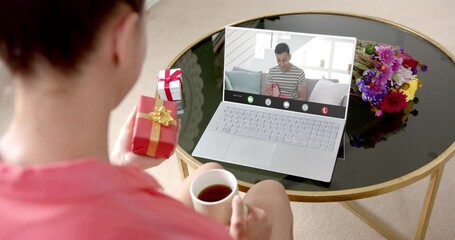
(273, 118)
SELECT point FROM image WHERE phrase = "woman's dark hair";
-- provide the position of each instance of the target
(281, 48)
(62, 32)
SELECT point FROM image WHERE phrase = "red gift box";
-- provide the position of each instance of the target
(155, 128)
(170, 86)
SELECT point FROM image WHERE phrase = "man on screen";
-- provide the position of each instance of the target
(289, 78)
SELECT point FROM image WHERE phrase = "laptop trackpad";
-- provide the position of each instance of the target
(213, 145)
(250, 152)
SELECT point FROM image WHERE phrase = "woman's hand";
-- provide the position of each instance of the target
(121, 154)
(255, 225)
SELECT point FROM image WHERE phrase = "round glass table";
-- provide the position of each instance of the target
(379, 161)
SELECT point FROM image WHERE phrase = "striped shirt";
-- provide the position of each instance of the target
(287, 81)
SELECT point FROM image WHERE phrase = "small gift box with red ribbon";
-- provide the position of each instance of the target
(276, 91)
(155, 128)
(170, 84)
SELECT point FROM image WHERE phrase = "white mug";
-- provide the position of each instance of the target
(218, 209)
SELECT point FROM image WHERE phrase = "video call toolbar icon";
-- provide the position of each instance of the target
(305, 107)
(325, 110)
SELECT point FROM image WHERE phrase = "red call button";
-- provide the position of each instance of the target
(325, 110)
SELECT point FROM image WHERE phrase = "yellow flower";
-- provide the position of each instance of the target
(407, 110)
(409, 88)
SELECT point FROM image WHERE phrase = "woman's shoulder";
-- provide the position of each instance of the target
(124, 201)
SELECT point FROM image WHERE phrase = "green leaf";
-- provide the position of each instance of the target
(360, 66)
(369, 49)
(356, 75)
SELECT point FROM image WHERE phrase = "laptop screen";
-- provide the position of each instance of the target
(300, 72)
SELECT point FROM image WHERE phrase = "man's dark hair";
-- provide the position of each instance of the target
(62, 32)
(282, 48)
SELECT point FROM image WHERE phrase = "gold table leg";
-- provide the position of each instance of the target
(183, 166)
(428, 204)
(386, 230)
(379, 225)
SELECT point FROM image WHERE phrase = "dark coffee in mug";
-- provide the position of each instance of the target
(214, 193)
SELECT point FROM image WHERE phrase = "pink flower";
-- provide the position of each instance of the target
(397, 62)
(386, 54)
(395, 101)
(385, 75)
(378, 88)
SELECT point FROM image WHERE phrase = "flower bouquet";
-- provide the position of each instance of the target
(385, 76)
(382, 94)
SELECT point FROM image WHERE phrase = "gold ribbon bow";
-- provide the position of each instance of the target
(160, 116)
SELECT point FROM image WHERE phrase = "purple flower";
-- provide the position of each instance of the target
(386, 54)
(359, 82)
(365, 89)
(414, 71)
(369, 73)
(385, 75)
(379, 87)
(366, 96)
(401, 50)
(397, 62)
(424, 68)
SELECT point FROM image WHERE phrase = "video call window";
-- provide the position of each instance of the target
(298, 66)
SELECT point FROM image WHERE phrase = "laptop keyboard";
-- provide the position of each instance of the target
(318, 134)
